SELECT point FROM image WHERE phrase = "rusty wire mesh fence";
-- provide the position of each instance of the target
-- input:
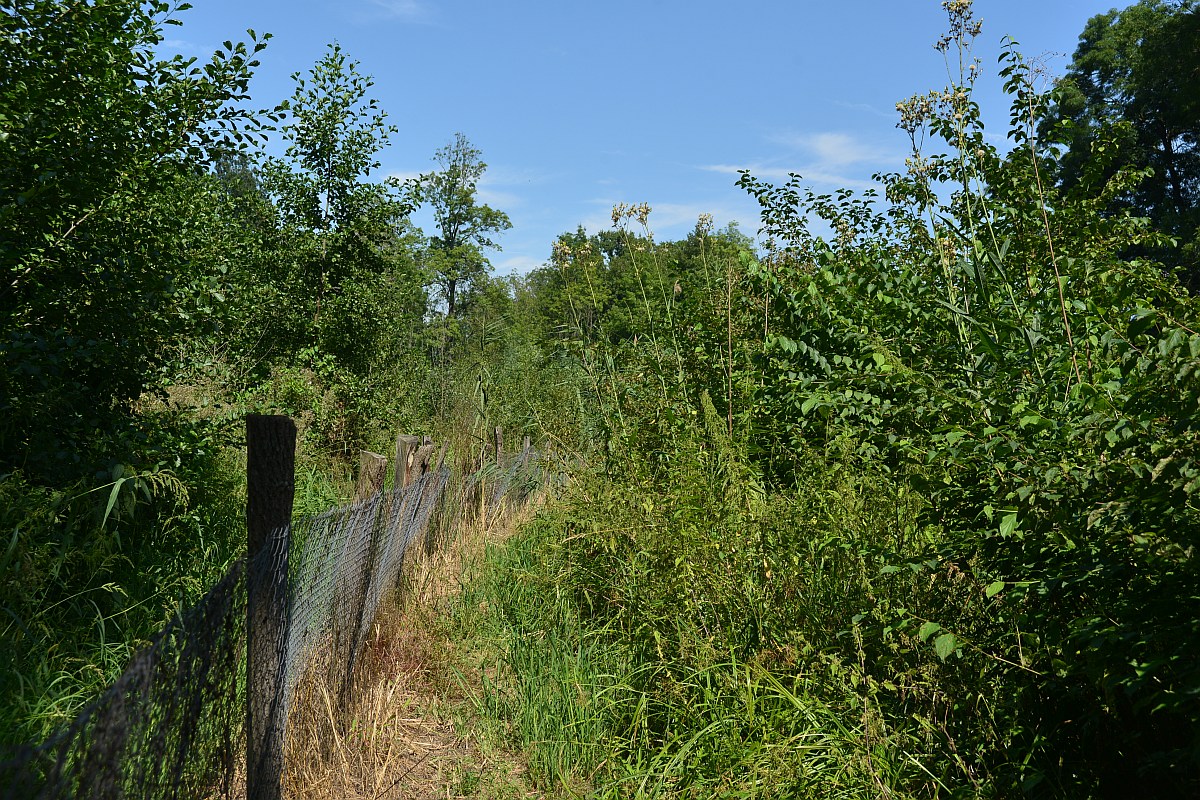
(174, 724)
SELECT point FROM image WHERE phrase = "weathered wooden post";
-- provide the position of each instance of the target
(422, 459)
(525, 443)
(372, 468)
(270, 491)
(423, 463)
(406, 449)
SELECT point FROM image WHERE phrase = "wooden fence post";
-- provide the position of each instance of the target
(270, 491)
(406, 448)
(372, 468)
(525, 444)
(422, 459)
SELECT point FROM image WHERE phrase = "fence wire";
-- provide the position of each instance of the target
(343, 563)
(173, 725)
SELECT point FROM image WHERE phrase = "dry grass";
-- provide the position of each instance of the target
(408, 731)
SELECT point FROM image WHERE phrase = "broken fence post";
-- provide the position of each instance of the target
(422, 459)
(406, 449)
(372, 468)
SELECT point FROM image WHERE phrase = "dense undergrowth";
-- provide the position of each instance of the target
(909, 510)
(167, 278)
(685, 643)
(93, 571)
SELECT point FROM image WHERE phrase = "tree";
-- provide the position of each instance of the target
(338, 231)
(102, 179)
(1135, 78)
(465, 228)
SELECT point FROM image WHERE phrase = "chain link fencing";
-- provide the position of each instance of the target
(174, 725)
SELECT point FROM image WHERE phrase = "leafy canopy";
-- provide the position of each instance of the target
(465, 227)
(103, 144)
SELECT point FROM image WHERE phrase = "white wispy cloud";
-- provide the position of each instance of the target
(869, 109)
(809, 174)
(825, 158)
(833, 149)
(501, 186)
(508, 175)
(183, 47)
(404, 10)
(404, 175)
(497, 198)
(757, 170)
(516, 264)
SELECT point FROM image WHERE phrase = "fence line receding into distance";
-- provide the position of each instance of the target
(203, 710)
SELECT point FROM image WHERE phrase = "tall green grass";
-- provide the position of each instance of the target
(89, 573)
(933, 477)
(675, 646)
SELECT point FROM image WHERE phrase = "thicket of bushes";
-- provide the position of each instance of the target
(910, 510)
(164, 279)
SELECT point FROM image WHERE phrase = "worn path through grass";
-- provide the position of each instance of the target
(414, 732)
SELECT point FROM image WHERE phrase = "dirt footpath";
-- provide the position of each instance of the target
(413, 732)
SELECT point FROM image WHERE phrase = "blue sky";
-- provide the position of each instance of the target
(579, 106)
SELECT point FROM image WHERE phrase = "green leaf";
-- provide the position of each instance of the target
(927, 630)
(944, 645)
(112, 499)
(1143, 318)
(994, 589)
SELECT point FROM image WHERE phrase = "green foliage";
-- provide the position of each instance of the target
(326, 303)
(162, 279)
(946, 457)
(465, 228)
(910, 511)
(117, 245)
(1132, 77)
(102, 145)
(707, 641)
(652, 326)
(336, 263)
(996, 350)
(88, 575)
